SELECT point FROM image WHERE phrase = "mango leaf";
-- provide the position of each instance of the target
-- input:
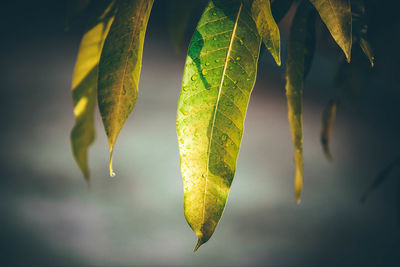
(119, 67)
(298, 64)
(179, 16)
(380, 178)
(219, 76)
(360, 29)
(367, 49)
(280, 8)
(84, 84)
(328, 118)
(267, 28)
(336, 14)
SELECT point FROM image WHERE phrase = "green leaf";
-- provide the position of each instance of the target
(179, 16)
(336, 14)
(267, 28)
(84, 85)
(328, 118)
(219, 76)
(298, 64)
(119, 67)
(280, 8)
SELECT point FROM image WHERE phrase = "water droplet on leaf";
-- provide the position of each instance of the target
(113, 174)
(204, 72)
(194, 77)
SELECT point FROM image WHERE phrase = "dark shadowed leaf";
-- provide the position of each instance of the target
(267, 28)
(219, 76)
(280, 8)
(336, 14)
(380, 178)
(360, 28)
(74, 9)
(84, 84)
(328, 118)
(301, 35)
(119, 67)
(180, 12)
(366, 48)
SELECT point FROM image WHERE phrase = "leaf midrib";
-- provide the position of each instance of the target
(216, 107)
(127, 59)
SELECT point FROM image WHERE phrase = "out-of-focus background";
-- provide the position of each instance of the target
(48, 217)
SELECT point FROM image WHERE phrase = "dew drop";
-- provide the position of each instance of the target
(214, 13)
(224, 137)
(194, 78)
(204, 72)
(235, 82)
(207, 64)
(241, 42)
(215, 38)
(185, 88)
(217, 60)
(113, 174)
(237, 58)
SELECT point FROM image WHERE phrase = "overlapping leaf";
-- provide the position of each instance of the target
(219, 76)
(179, 16)
(279, 8)
(120, 65)
(267, 28)
(336, 14)
(84, 84)
(360, 28)
(300, 51)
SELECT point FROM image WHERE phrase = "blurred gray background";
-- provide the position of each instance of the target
(48, 217)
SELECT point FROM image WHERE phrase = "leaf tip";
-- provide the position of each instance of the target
(199, 243)
(112, 173)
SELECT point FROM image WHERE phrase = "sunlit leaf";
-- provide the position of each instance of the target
(280, 8)
(119, 67)
(298, 64)
(179, 16)
(267, 28)
(328, 118)
(219, 76)
(84, 85)
(336, 14)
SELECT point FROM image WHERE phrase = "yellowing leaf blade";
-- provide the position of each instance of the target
(298, 63)
(120, 66)
(336, 14)
(219, 76)
(267, 27)
(84, 85)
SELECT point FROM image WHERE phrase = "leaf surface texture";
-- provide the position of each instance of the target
(336, 14)
(219, 76)
(84, 84)
(300, 53)
(267, 27)
(120, 66)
